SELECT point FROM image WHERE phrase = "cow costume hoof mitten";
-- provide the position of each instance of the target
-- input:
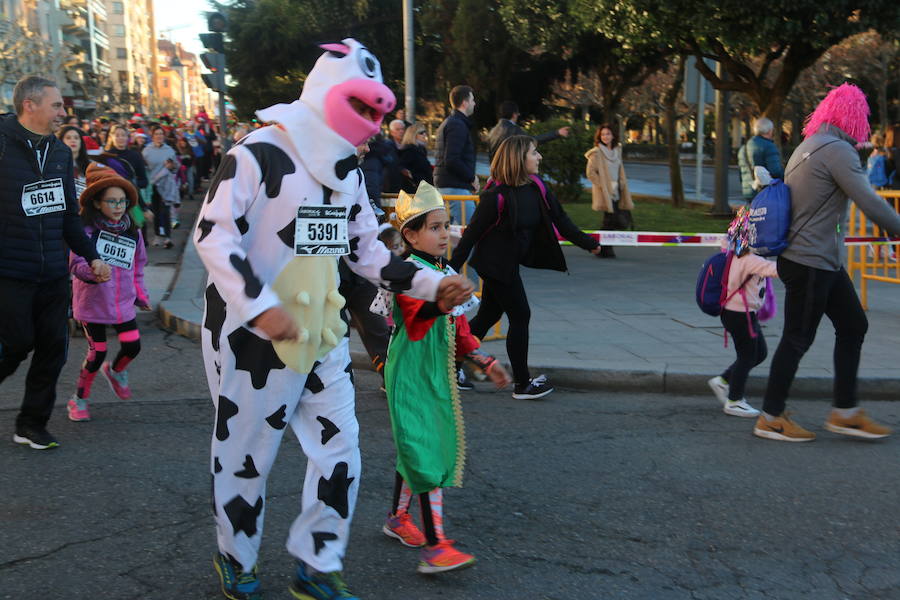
(308, 291)
(285, 205)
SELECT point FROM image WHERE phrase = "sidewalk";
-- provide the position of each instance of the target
(630, 324)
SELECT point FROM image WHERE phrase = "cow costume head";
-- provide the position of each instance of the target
(345, 89)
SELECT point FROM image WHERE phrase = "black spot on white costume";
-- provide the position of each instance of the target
(326, 194)
(320, 537)
(276, 419)
(313, 383)
(274, 164)
(349, 371)
(242, 515)
(249, 471)
(345, 165)
(254, 355)
(226, 410)
(333, 491)
(329, 429)
(205, 228)
(354, 210)
(217, 466)
(287, 235)
(227, 170)
(242, 225)
(215, 315)
(354, 246)
(252, 284)
(398, 274)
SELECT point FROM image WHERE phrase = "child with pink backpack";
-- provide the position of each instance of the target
(745, 295)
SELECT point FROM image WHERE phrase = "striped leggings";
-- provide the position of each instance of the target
(129, 347)
(431, 504)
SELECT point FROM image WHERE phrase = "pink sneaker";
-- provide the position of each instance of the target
(401, 527)
(117, 381)
(78, 409)
(443, 557)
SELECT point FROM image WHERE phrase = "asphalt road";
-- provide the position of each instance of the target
(584, 495)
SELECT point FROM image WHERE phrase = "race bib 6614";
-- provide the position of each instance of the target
(42, 197)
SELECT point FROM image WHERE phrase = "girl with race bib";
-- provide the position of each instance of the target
(420, 380)
(104, 210)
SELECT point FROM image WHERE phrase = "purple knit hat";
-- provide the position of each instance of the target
(844, 107)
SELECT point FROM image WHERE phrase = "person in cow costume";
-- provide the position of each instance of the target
(286, 203)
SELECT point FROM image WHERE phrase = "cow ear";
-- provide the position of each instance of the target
(336, 49)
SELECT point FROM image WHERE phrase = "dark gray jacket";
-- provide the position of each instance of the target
(454, 153)
(822, 184)
(506, 128)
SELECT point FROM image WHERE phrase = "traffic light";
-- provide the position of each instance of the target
(215, 79)
(213, 41)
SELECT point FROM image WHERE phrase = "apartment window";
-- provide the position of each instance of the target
(121, 53)
(123, 79)
(118, 8)
(119, 30)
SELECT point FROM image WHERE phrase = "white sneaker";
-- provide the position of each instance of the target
(739, 408)
(720, 388)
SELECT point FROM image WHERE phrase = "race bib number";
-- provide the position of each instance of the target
(43, 197)
(321, 230)
(80, 186)
(116, 250)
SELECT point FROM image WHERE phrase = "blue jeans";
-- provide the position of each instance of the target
(456, 207)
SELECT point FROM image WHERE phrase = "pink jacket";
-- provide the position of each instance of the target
(757, 269)
(113, 301)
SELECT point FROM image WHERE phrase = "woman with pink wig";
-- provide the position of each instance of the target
(824, 173)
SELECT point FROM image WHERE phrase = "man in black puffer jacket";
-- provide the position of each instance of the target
(38, 218)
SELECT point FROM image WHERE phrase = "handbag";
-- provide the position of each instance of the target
(769, 307)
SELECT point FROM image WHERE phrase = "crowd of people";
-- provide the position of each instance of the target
(278, 211)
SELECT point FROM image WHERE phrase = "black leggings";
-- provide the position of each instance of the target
(811, 293)
(498, 298)
(161, 215)
(129, 345)
(750, 350)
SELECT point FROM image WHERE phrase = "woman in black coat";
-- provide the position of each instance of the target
(414, 162)
(519, 230)
(117, 146)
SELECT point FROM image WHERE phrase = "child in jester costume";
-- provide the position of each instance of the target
(286, 203)
(420, 379)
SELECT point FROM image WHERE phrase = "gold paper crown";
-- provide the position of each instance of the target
(409, 207)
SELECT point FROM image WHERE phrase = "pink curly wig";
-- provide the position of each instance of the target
(844, 107)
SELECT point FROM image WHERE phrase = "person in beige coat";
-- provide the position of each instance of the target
(609, 187)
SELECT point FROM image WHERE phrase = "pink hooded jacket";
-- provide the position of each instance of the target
(757, 269)
(113, 301)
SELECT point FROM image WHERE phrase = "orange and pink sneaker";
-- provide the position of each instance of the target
(401, 527)
(443, 557)
(118, 381)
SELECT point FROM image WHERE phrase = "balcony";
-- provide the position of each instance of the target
(76, 22)
(101, 39)
(103, 67)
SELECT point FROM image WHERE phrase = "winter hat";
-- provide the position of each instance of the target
(846, 108)
(99, 177)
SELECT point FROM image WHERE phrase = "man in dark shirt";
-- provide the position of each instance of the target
(508, 126)
(38, 218)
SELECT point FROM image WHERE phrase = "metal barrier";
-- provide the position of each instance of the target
(387, 204)
(872, 260)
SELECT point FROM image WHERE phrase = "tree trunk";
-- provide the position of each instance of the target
(882, 94)
(671, 128)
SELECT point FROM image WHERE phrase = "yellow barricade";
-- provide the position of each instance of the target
(387, 204)
(872, 262)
